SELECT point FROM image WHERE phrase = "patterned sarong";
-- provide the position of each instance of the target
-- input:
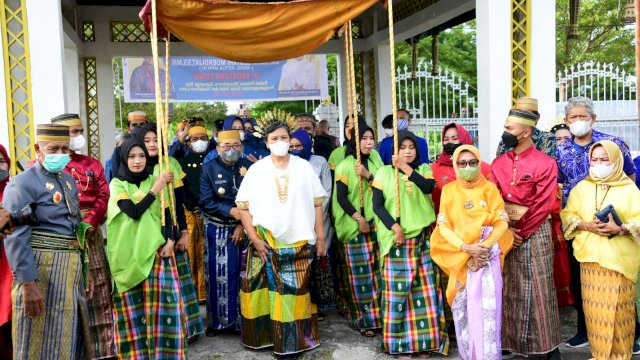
(150, 322)
(195, 227)
(412, 300)
(530, 317)
(222, 260)
(188, 292)
(363, 276)
(340, 279)
(607, 298)
(477, 311)
(100, 343)
(275, 302)
(61, 330)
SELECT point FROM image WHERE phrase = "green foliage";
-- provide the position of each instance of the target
(603, 36)
(293, 107)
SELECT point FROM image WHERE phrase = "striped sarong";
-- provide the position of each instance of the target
(150, 321)
(100, 343)
(363, 276)
(412, 300)
(607, 298)
(60, 332)
(222, 260)
(195, 226)
(275, 302)
(188, 293)
(530, 316)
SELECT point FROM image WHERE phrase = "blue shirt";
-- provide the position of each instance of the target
(386, 150)
(636, 161)
(573, 161)
(219, 184)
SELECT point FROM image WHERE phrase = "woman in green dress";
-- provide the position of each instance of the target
(147, 303)
(356, 231)
(412, 302)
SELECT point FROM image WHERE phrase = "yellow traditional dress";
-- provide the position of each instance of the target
(608, 266)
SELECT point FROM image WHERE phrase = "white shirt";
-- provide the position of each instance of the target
(293, 220)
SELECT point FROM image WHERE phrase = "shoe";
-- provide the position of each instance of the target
(578, 341)
(636, 347)
(554, 355)
(507, 355)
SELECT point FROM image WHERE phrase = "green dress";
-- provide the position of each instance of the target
(346, 226)
(132, 245)
(416, 208)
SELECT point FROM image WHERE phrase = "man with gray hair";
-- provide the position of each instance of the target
(572, 157)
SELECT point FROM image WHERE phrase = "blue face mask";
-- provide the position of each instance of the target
(296, 152)
(403, 124)
(55, 162)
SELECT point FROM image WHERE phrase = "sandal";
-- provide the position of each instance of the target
(423, 355)
(321, 316)
(367, 333)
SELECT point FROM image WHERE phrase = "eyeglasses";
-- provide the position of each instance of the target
(472, 163)
(227, 147)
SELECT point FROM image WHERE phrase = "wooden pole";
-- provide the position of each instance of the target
(636, 10)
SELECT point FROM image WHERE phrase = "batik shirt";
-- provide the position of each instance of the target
(573, 161)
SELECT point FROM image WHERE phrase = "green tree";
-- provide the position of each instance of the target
(603, 35)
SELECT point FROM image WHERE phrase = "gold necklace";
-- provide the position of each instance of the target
(283, 192)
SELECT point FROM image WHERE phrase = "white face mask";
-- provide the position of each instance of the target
(600, 171)
(580, 128)
(77, 143)
(241, 135)
(280, 148)
(200, 146)
(388, 133)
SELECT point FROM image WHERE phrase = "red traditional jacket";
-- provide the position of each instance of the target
(93, 188)
(529, 179)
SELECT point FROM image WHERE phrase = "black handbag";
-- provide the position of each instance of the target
(603, 216)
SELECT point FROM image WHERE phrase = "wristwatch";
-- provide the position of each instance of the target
(370, 177)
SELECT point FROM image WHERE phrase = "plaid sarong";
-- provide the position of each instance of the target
(530, 316)
(412, 300)
(61, 331)
(100, 344)
(150, 321)
(363, 276)
(188, 292)
(275, 302)
(222, 275)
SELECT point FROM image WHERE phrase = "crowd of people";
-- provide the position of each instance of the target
(271, 223)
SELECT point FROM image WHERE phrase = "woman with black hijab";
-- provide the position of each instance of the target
(140, 254)
(354, 229)
(411, 297)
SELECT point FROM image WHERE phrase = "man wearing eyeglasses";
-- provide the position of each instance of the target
(219, 184)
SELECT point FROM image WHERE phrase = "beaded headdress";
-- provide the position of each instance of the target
(272, 117)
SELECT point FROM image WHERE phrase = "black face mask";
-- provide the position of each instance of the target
(450, 148)
(509, 140)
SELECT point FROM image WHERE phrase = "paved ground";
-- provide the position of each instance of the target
(338, 341)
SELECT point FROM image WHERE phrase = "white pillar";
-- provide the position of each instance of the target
(383, 81)
(543, 61)
(493, 29)
(106, 107)
(72, 78)
(343, 105)
(46, 45)
(368, 108)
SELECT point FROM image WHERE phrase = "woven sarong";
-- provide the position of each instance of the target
(530, 317)
(61, 330)
(607, 298)
(341, 280)
(150, 321)
(188, 292)
(412, 300)
(100, 343)
(222, 277)
(195, 227)
(275, 302)
(363, 276)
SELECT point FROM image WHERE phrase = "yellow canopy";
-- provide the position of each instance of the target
(252, 32)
